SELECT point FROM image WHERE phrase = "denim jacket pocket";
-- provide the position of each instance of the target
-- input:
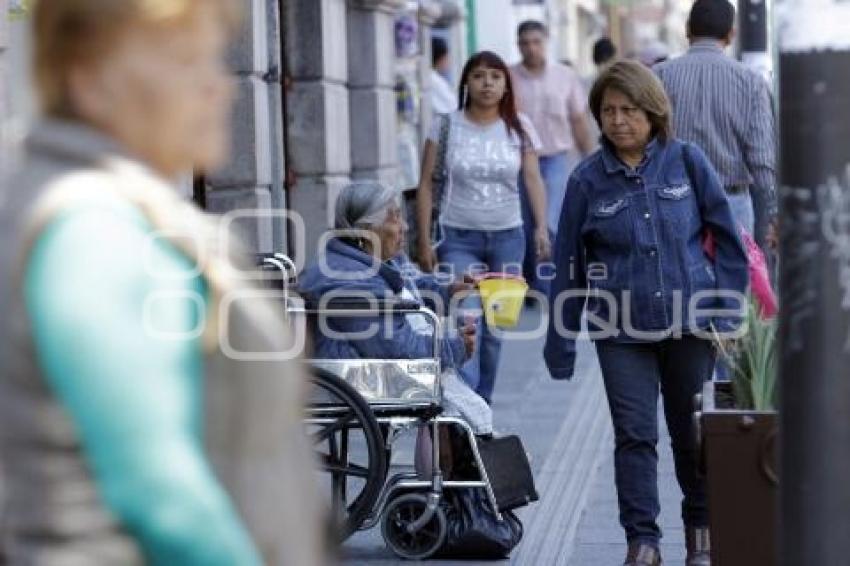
(676, 191)
(677, 206)
(612, 221)
(610, 208)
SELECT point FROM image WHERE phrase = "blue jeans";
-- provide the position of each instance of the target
(633, 374)
(481, 251)
(555, 170)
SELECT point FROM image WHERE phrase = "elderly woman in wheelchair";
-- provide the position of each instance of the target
(386, 367)
(362, 264)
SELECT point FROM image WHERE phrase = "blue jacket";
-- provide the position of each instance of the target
(337, 269)
(629, 248)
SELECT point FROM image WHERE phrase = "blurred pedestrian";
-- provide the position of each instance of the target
(552, 96)
(653, 52)
(443, 99)
(489, 146)
(630, 249)
(726, 108)
(604, 53)
(127, 434)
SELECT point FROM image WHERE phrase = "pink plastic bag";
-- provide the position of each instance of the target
(759, 277)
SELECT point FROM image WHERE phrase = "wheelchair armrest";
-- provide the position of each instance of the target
(366, 306)
(376, 306)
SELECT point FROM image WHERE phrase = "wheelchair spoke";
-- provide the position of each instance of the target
(353, 470)
(344, 459)
(338, 424)
(338, 504)
(342, 427)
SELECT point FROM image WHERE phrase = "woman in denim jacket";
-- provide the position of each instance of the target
(629, 250)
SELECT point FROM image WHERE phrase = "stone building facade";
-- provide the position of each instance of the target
(337, 122)
(251, 185)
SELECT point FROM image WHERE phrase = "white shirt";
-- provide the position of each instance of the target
(443, 96)
(483, 164)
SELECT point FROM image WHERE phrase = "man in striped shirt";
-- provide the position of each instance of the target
(726, 109)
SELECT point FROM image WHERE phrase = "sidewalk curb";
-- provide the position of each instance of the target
(565, 480)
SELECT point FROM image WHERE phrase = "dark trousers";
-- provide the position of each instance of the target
(634, 373)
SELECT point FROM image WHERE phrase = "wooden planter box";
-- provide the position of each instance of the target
(739, 458)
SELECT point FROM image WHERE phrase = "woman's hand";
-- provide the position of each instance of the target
(772, 237)
(426, 257)
(463, 286)
(542, 246)
(537, 199)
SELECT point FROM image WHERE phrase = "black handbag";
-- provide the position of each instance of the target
(472, 529)
(507, 467)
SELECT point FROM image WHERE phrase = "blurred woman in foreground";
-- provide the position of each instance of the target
(130, 432)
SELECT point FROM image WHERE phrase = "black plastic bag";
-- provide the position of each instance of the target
(473, 531)
(508, 470)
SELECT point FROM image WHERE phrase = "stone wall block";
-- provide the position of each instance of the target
(250, 162)
(273, 35)
(386, 175)
(370, 48)
(373, 128)
(249, 50)
(319, 129)
(249, 209)
(314, 199)
(317, 40)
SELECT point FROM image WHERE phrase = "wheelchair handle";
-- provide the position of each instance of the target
(282, 263)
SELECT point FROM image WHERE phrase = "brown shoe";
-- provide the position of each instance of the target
(641, 554)
(698, 543)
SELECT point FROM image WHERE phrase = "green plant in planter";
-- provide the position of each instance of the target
(752, 359)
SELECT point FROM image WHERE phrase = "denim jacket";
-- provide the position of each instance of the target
(629, 248)
(346, 270)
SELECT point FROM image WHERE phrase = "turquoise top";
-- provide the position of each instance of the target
(116, 317)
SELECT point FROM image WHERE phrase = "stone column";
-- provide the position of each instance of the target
(318, 114)
(5, 84)
(372, 102)
(5, 81)
(249, 184)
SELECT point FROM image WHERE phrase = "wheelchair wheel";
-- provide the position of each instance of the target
(402, 512)
(350, 450)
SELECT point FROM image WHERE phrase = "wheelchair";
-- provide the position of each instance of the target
(358, 408)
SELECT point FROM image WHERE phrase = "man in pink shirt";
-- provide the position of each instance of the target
(552, 96)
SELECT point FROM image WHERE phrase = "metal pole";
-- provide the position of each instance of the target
(814, 363)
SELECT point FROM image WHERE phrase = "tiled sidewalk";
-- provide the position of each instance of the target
(599, 539)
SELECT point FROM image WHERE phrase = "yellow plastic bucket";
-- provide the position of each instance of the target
(502, 299)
